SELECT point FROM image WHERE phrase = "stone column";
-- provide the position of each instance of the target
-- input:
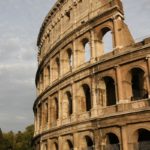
(49, 112)
(51, 71)
(74, 14)
(61, 66)
(60, 143)
(44, 78)
(116, 35)
(124, 138)
(74, 63)
(97, 139)
(35, 121)
(119, 84)
(43, 117)
(49, 145)
(76, 141)
(60, 107)
(92, 43)
(148, 72)
(93, 97)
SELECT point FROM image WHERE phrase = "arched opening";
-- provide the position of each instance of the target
(45, 146)
(107, 40)
(89, 143)
(137, 80)
(40, 115)
(143, 139)
(70, 145)
(58, 66)
(47, 75)
(69, 52)
(46, 113)
(69, 96)
(101, 93)
(110, 91)
(56, 109)
(112, 142)
(87, 94)
(41, 81)
(55, 69)
(87, 50)
(55, 146)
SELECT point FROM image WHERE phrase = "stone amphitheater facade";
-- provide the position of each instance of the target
(88, 98)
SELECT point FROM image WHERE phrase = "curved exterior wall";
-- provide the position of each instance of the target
(99, 103)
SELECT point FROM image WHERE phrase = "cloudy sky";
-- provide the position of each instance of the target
(20, 21)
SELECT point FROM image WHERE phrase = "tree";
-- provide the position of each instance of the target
(18, 141)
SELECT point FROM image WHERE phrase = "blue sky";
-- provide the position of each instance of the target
(20, 21)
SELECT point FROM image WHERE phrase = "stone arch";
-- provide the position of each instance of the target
(67, 60)
(107, 39)
(41, 81)
(107, 91)
(104, 37)
(141, 139)
(111, 141)
(89, 142)
(70, 102)
(67, 104)
(45, 146)
(101, 93)
(46, 112)
(68, 145)
(87, 97)
(136, 84)
(47, 75)
(87, 49)
(56, 68)
(54, 110)
(55, 146)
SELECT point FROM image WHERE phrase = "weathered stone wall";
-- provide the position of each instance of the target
(87, 97)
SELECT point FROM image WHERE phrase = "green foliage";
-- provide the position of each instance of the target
(18, 141)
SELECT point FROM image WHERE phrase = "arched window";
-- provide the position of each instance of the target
(41, 81)
(89, 142)
(69, 96)
(55, 146)
(45, 146)
(87, 50)
(70, 145)
(69, 52)
(110, 91)
(48, 75)
(87, 94)
(143, 139)
(107, 40)
(58, 66)
(40, 115)
(55, 68)
(46, 113)
(112, 142)
(137, 80)
(56, 109)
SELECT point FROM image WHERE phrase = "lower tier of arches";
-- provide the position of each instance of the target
(129, 131)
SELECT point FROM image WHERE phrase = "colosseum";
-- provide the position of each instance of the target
(88, 97)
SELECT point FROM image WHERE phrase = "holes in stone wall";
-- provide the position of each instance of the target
(107, 40)
(69, 96)
(137, 81)
(87, 50)
(110, 91)
(87, 94)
